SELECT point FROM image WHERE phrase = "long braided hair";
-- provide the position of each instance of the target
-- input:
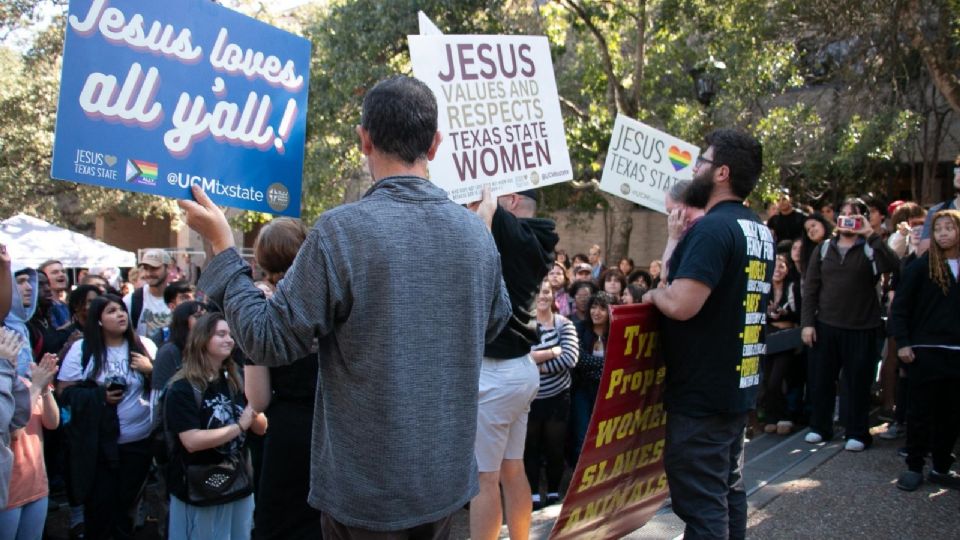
(939, 271)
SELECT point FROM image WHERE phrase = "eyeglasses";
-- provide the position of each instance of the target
(701, 160)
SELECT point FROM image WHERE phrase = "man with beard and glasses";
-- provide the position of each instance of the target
(719, 280)
(842, 325)
(148, 310)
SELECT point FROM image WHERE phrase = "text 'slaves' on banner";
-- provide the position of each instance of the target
(158, 96)
(619, 482)
(499, 113)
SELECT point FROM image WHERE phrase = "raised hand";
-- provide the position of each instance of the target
(208, 220)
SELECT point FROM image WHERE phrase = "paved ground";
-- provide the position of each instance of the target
(796, 490)
(853, 496)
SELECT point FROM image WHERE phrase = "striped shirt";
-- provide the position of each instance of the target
(555, 373)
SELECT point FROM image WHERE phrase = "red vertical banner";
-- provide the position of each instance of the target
(619, 482)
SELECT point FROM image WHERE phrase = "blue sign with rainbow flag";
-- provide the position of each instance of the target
(643, 163)
(158, 96)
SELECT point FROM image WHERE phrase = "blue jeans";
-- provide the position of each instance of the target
(24, 522)
(230, 521)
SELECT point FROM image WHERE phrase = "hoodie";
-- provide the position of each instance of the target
(526, 253)
(17, 321)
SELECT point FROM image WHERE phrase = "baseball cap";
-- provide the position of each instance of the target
(582, 267)
(154, 258)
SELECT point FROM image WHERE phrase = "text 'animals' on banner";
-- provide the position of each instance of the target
(158, 96)
(499, 113)
(643, 163)
(620, 482)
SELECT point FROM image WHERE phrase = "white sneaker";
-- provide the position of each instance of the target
(854, 445)
(813, 438)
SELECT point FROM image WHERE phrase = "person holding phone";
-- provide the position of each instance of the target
(841, 323)
(106, 375)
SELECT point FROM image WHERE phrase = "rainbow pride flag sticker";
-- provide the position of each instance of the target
(142, 172)
(680, 159)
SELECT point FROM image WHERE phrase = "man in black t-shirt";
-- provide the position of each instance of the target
(712, 334)
(787, 223)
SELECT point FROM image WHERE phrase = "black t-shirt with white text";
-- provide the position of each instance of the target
(713, 359)
(218, 408)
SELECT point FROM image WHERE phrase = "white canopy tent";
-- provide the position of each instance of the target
(31, 241)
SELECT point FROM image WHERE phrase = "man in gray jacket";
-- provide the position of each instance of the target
(395, 419)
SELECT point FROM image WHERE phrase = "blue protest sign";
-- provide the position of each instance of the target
(158, 96)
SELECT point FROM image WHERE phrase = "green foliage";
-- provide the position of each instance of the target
(356, 44)
(29, 90)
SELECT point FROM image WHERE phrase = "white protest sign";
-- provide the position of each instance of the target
(426, 25)
(643, 163)
(499, 113)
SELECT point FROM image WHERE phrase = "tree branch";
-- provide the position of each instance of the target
(639, 61)
(935, 53)
(613, 83)
(572, 107)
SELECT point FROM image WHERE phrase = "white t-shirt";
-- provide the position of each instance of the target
(134, 410)
(954, 266)
(154, 315)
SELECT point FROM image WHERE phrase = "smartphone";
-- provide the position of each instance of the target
(850, 222)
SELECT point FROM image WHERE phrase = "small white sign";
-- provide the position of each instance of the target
(499, 113)
(643, 163)
(426, 25)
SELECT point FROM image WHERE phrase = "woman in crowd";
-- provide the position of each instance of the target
(169, 357)
(592, 335)
(641, 278)
(816, 230)
(286, 394)
(613, 284)
(557, 276)
(625, 265)
(782, 315)
(560, 257)
(78, 301)
(926, 326)
(633, 294)
(26, 511)
(555, 355)
(581, 292)
(206, 420)
(107, 374)
(656, 266)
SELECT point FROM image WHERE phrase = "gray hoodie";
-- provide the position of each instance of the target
(17, 321)
(403, 288)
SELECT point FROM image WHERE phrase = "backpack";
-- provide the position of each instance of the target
(867, 250)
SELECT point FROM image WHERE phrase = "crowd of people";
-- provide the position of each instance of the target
(334, 394)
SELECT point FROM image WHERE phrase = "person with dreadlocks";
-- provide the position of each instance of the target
(926, 326)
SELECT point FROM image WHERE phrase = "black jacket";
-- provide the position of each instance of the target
(526, 252)
(840, 291)
(91, 434)
(922, 314)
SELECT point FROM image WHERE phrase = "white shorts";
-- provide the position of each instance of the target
(507, 387)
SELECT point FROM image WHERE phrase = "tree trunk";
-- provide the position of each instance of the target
(621, 225)
(934, 48)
